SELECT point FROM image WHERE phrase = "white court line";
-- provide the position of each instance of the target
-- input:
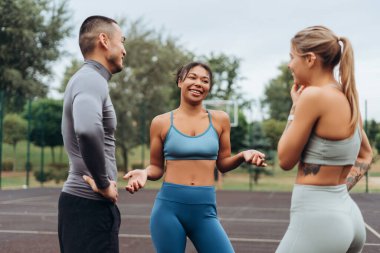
(148, 217)
(255, 220)
(130, 205)
(28, 214)
(372, 230)
(24, 199)
(144, 236)
(232, 239)
(134, 236)
(33, 232)
(371, 244)
(255, 208)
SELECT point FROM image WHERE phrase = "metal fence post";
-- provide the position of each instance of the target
(28, 165)
(1, 133)
(366, 131)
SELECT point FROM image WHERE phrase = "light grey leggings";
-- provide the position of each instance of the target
(323, 219)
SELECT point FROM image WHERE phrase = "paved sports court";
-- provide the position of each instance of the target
(254, 221)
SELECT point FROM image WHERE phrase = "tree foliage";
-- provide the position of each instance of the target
(258, 139)
(146, 85)
(70, 70)
(377, 142)
(30, 35)
(239, 136)
(277, 94)
(46, 123)
(226, 76)
(272, 131)
(15, 129)
(372, 131)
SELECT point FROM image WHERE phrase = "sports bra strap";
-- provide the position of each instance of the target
(209, 117)
(171, 118)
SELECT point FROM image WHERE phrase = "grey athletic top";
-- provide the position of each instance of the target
(328, 152)
(88, 126)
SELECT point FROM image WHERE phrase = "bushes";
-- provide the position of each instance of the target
(57, 172)
(7, 165)
(43, 177)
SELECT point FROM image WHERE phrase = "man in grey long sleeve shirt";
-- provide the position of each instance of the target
(89, 221)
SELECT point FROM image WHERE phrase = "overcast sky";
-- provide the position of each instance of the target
(258, 32)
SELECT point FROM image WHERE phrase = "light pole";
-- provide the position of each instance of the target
(1, 132)
(366, 131)
(28, 165)
(142, 108)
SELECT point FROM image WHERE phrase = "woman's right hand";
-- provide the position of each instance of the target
(136, 180)
(254, 157)
(296, 92)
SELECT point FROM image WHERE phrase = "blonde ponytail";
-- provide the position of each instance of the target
(347, 79)
(323, 42)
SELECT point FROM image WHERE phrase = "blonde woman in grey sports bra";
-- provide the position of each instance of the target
(325, 137)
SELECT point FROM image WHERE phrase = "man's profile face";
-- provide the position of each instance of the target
(116, 50)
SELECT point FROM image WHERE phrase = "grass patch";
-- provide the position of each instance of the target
(238, 179)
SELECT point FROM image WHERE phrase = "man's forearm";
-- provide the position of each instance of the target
(92, 150)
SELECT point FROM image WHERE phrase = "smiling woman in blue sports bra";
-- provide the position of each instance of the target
(325, 137)
(192, 141)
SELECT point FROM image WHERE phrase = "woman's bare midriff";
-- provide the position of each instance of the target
(190, 172)
(326, 176)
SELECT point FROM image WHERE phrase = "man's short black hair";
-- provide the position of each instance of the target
(90, 29)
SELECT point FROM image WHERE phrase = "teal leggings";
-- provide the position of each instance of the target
(323, 219)
(181, 211)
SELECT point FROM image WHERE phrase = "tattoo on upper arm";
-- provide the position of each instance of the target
(309, 168)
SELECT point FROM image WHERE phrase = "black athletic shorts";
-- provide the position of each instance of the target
(86, 225)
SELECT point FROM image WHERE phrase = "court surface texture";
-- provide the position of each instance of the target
(254, 221)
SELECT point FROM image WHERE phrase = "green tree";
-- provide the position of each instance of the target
(377, 142)
(46, 123)
(257, 138)
(226, 73)
(75, 64)
(146, 86)
(372, 131)
(277, 94)
(15, 130)
(239, 137)
(272, 131)
(31, 34)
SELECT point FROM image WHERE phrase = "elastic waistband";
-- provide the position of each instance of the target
(313, 197)
(329, 188)
(187, 194)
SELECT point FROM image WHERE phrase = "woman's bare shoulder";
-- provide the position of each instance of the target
(220, 117)
(161, 120)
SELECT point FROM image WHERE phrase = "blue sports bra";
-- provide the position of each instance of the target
(335, 153)
(179, 146)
